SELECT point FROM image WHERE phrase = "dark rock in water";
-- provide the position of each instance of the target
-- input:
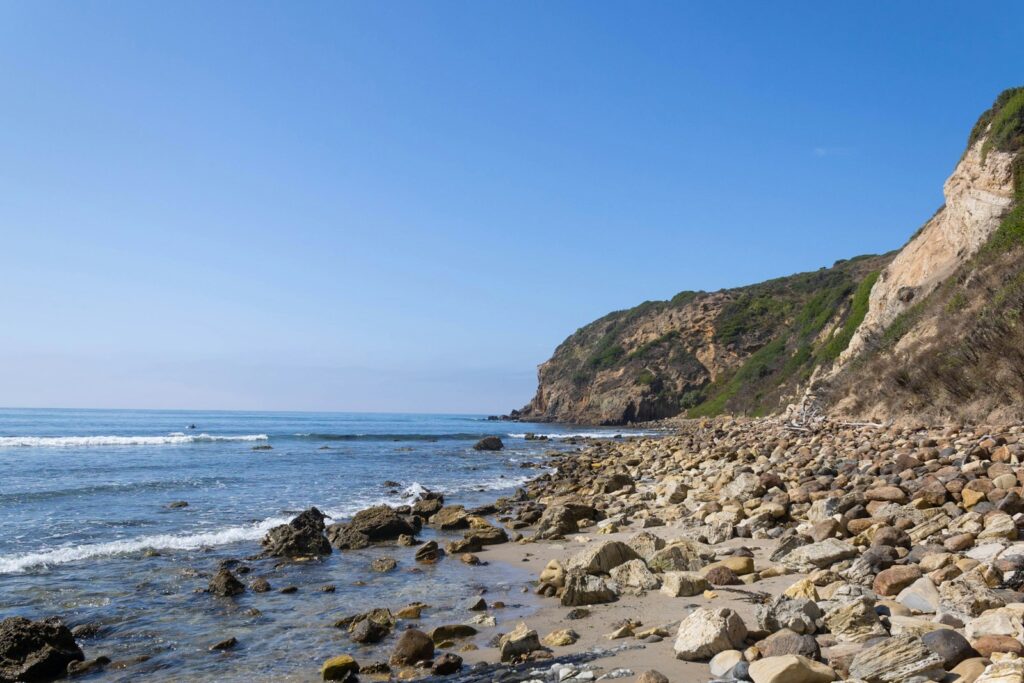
(263, 447)
(225, 584)
(368, 631)
(413, 646)
(447, 663)
(390, 484)
(372, 525)
(452, 632)
(477, 604)
(177, 504)
(288, 590)
(84, 631)
(225, 644)
(36, 650)
(301, 537)
(428, 553)
(259, 585)
(375, 668)
(384, 564)
(87, 666)
(488, 443)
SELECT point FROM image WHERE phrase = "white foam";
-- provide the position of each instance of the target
(175, 438)
(584, 435)
(20, 563)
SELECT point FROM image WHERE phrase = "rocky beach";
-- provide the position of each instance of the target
(726, 550)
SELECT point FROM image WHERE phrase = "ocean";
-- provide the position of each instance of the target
(88, 532)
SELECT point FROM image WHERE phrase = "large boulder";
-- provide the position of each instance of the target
(635, 574)
(602, 558)
(36, 650)
(488, 443)
(413, 646)
(372, 525)
(556, 522)
(450, 517)
(790, 669)
(706, 632)
(301, 537)
(894, 660)
(820, 555)
(683, 555)
(582, 588)
(520, 642)
(226, 584)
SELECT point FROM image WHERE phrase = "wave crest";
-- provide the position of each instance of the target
(176, 438)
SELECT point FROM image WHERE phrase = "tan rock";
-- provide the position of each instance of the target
(790, 669)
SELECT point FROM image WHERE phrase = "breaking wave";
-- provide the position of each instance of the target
(176, 438)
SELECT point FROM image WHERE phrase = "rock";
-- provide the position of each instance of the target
(339, 668)
(428, 553)
(372, 525)
(452, 632)
(521, 641)
(969, 595)
(301, 537)
(988, 645)
(560, 638)
(652, 676)
(645, 544)
(952, 647)
(556, 522)
(797, 615)
(854, 621)
(819, 555)
(586, 589)
(681, 556)
(476, 604)
(413, 646)
(489, 443)
(225, 584)
(894, 661)
(635, 574)
(177, 504)
(969, 670)
(602, 558)
(36, 650)
(996, 622)
(225, 644)
(450, 517)
(620, 481)
(683, 584)
(790, 669)
(87, 666)
(722, 576)
(367, 631)
(1005, 668)
(724, 661)
(384, 564)
(920, 596)
(553, 573)
(787, 642)
(706, 632)
(894, 579)
(744, 486)
(259, 585)
(446, 664)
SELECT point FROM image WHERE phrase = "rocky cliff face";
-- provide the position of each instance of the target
(937, 327)
(737, 350)
(978, 193)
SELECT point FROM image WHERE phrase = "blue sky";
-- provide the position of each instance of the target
(407, 205)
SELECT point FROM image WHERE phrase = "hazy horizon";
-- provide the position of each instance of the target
(406, 207)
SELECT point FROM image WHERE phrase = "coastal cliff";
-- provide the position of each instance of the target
(935, 327)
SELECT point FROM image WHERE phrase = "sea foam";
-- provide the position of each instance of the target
(176, 438)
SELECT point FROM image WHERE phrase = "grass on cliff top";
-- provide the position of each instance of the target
(1006, 115)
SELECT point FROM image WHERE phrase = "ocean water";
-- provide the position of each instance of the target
(87, 533)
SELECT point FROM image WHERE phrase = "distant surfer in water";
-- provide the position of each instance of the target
(192, 426)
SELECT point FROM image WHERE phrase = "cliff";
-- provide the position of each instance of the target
(934, 328)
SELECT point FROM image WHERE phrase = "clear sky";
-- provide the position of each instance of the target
(407, 205)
